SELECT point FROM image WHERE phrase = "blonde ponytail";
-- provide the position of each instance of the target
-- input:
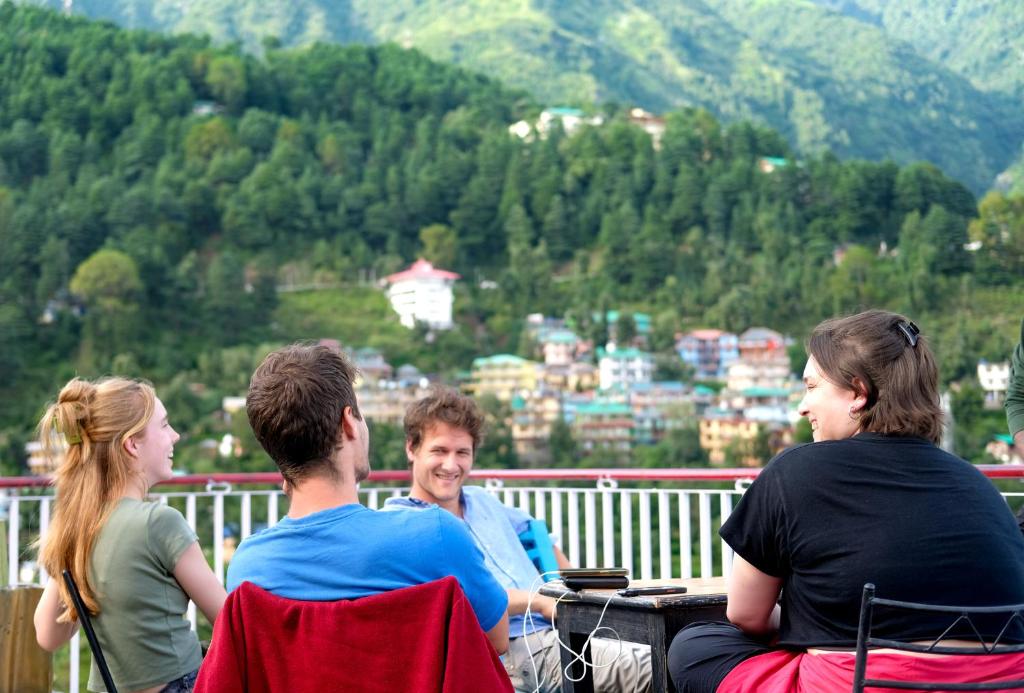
(88, 425)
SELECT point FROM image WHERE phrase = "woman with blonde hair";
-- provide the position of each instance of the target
(137, 563)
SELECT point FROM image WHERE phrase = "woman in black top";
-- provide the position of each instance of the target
(871, 500)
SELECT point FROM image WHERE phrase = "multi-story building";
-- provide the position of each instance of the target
(504, 376)
(532, 419)
(663, 394)
(558, 347)
(39, 463)
(659, 407)
(726, 430)
(386, 402)
(994, 379)
(576, 377)
(641, 321)
(421, 293)
(604, 425)
(371, 365)
(650, 424)
(648, 122)
(624, 367)
(777, 397)
(761, 344)
(571, 119)
(708, 352)
(759, 372)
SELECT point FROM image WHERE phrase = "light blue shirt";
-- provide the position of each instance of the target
(495, 528)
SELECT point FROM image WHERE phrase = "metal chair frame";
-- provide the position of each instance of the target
(962, 616)
(90, 634)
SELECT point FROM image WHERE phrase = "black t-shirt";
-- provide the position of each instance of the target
(921, 524)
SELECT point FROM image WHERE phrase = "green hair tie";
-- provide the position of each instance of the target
(74, 438)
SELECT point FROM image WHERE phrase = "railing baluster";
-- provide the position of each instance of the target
(556, 518)
(707, 568)
(190, 519)
(590, 518)
(608, 528)
(74, 663)
(685, 536)
(508, 497)
(218, 535)
(372, 499)
(574, 528)
(44, 525)
(646, 550)
(626, 525)
(13, 552)
(272, 509)
(524, 501)
(665, 534)
(245, 527)
(540, 506)
(725, 500)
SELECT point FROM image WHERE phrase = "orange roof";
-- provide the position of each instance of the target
(421, 269)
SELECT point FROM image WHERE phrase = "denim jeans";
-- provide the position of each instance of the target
(183, 685)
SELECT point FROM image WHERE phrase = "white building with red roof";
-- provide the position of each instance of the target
(422, 293)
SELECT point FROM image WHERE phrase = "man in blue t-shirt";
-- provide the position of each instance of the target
(443, 432)
(302, 408)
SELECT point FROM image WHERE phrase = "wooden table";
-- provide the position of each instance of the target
(652, 621)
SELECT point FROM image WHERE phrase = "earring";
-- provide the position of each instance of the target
(854, 417)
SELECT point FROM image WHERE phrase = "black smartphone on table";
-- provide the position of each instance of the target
(652, 591)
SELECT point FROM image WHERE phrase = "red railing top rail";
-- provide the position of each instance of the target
(992, 471)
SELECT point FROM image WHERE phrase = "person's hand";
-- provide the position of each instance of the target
(545, 606)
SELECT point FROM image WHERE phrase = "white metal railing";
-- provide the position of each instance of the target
(654, 532)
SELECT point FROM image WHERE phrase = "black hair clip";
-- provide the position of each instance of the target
(909, 330)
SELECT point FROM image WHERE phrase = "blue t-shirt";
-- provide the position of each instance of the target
(351, 551)
(495, 528)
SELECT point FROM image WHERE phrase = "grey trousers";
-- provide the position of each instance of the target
(625, 671)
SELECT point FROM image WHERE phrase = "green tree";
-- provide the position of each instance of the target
(625, 329)
(109, 284)
(227, 80)
(439, 244)
(999, 229)
(562, 445)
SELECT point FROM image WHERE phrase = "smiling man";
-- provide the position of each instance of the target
(442, 434)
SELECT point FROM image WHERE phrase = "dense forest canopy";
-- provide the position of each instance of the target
(159, 196)
(907, 80)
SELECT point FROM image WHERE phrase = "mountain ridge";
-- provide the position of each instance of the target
(844, 75)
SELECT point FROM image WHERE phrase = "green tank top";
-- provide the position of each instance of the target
(141, 626)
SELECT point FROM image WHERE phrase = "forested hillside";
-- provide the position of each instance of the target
(158, 195)
(905, 80)
(983, 41)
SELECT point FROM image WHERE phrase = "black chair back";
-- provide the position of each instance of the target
(960, 617)
(90, 634)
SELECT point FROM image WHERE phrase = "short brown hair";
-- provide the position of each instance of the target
(884, 352)
(444, 405)
(296, 399)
